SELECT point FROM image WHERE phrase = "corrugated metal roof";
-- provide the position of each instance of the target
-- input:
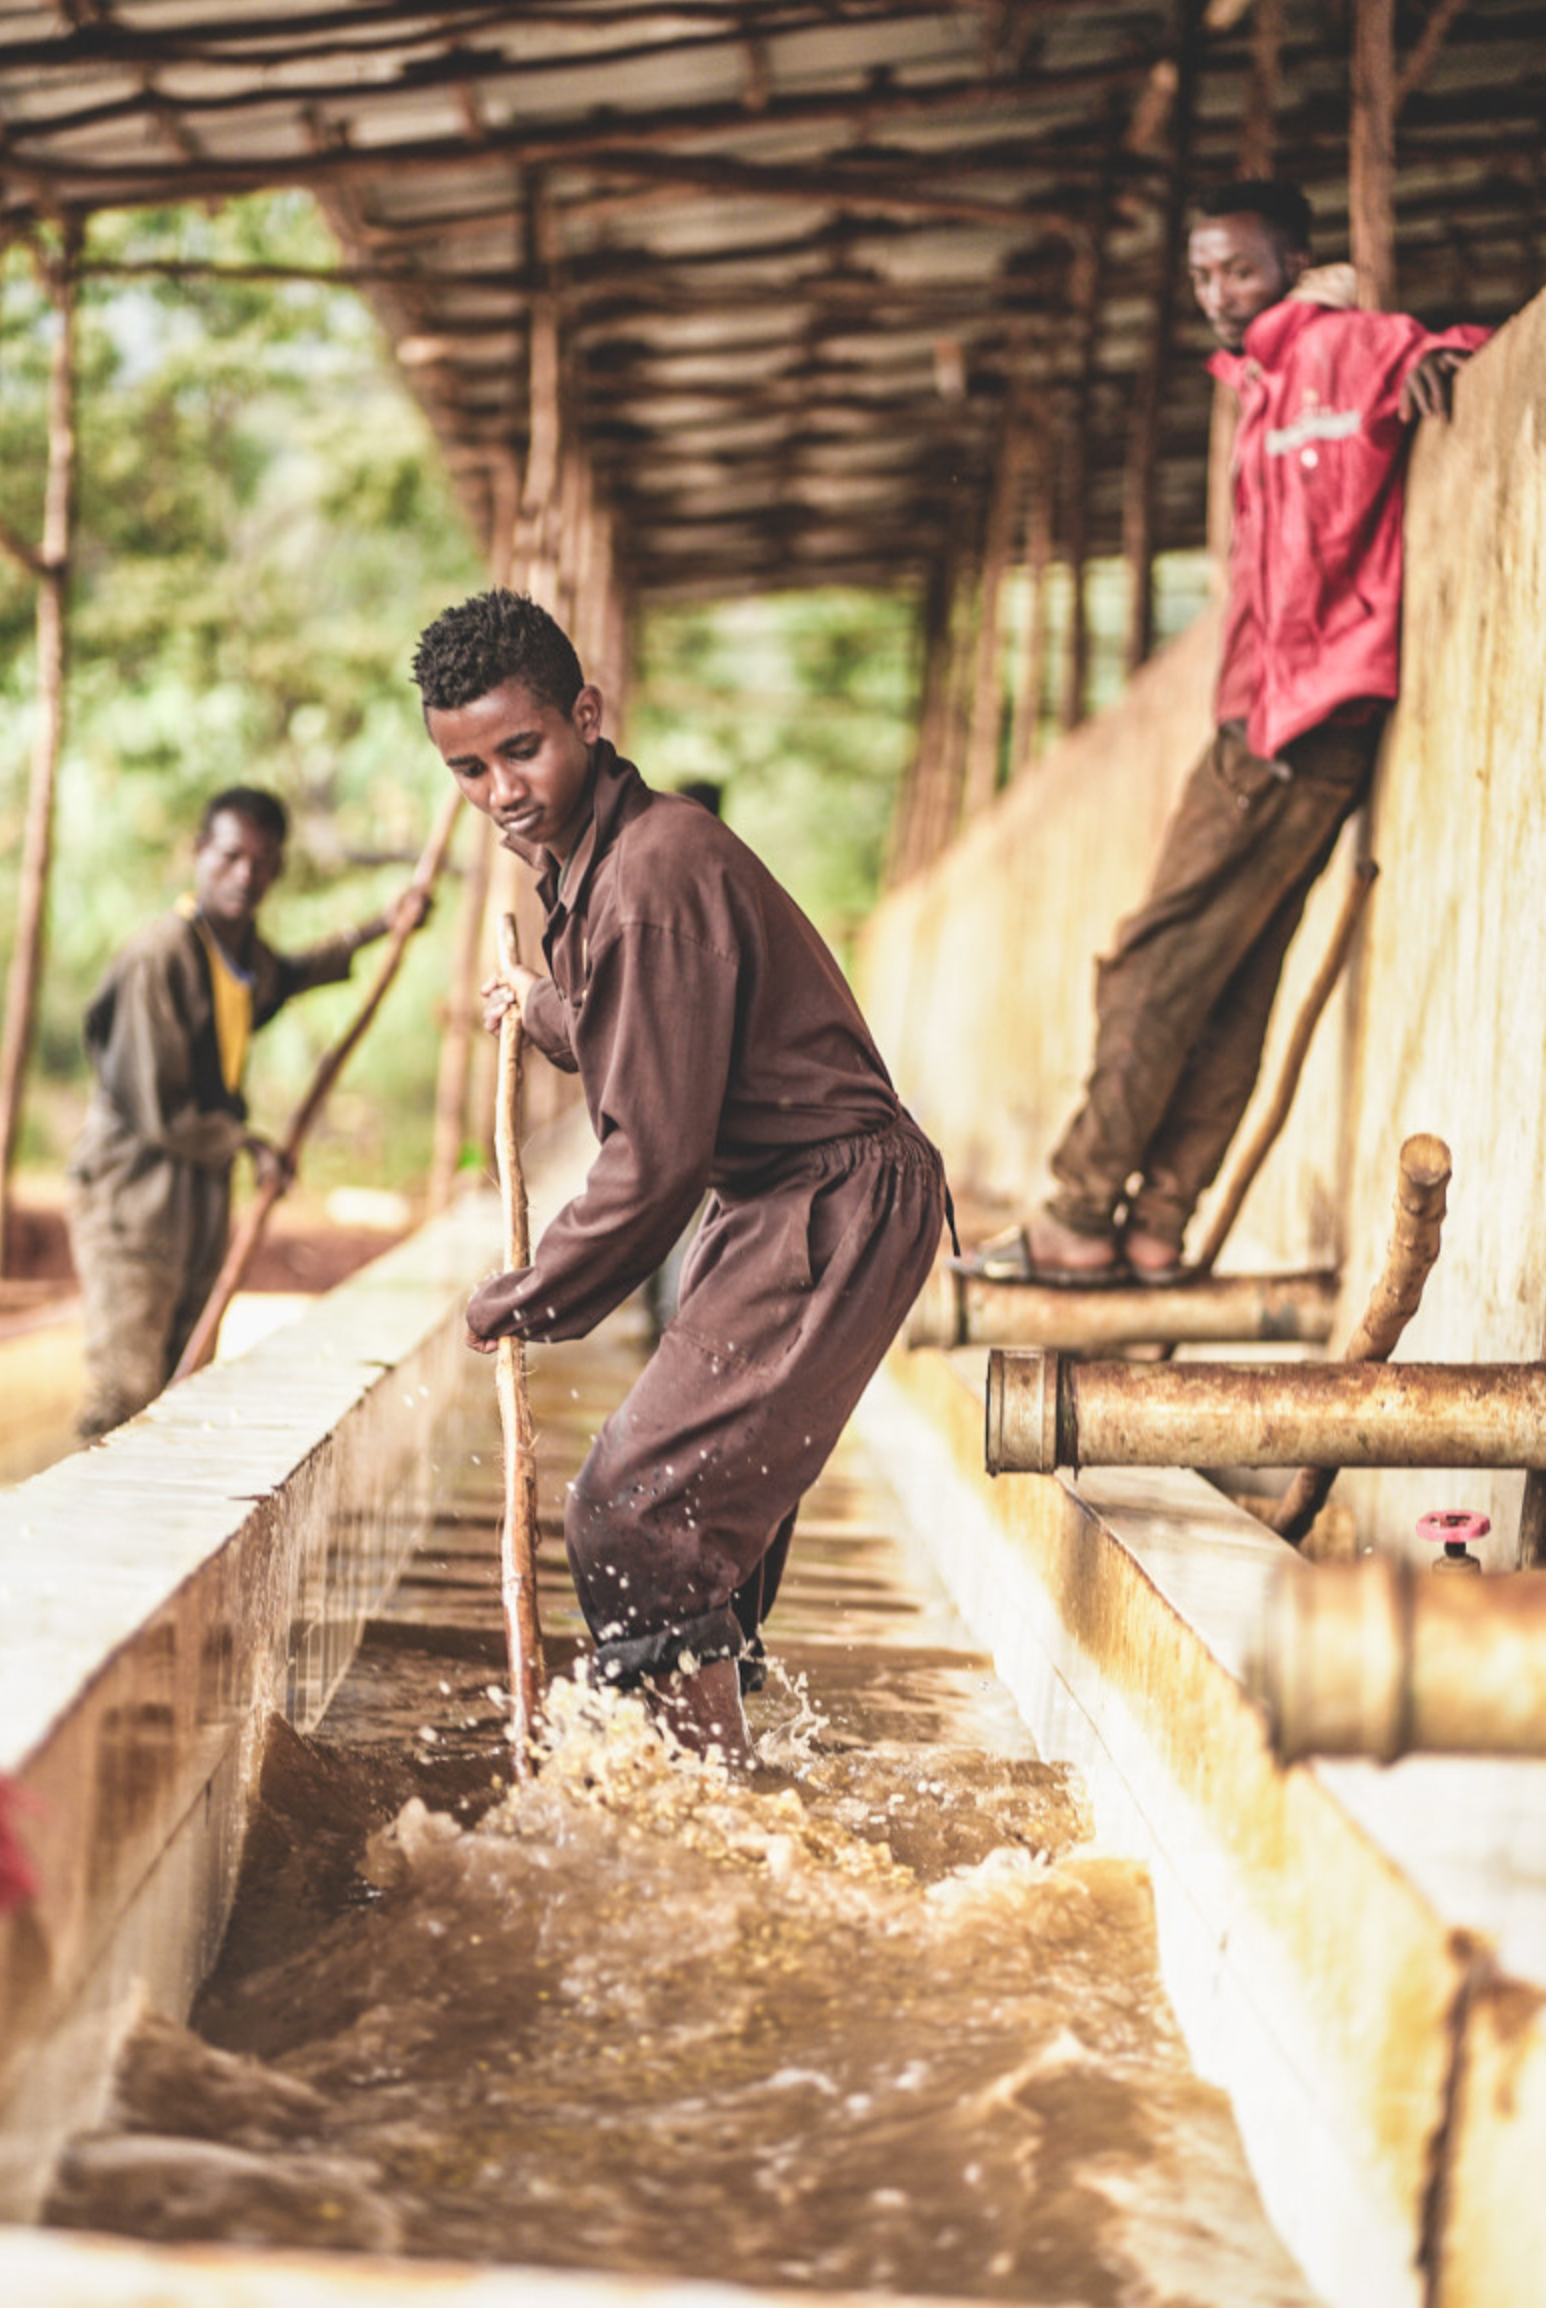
(801, 252)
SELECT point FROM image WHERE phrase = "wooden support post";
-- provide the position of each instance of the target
(1073, 477)
(1086, 300)
(536, 550)
(912, 834)
(53, 572)
(950, 752)
(1257, 148)
(1140, 490)
(1031, 673)
(454, 1071)
(1372, 154)
(987, 693)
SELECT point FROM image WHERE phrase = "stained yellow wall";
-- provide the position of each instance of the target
(977, 975)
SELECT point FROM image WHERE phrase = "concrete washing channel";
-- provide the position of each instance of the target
(1356, 1955)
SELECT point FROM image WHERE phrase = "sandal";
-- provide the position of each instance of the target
(1007, 1258)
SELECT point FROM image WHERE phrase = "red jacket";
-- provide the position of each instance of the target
(1313, 618)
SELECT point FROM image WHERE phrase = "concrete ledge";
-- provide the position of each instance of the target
(1334, 1937)
(160, 1595)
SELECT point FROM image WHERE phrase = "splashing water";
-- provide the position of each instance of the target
(874, 2015)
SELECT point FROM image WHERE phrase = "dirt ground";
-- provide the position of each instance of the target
(302, 1250)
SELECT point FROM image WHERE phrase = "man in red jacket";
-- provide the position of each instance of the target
(1310, 662)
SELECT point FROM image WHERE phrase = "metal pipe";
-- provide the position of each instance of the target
(961, 1310)
(1375, 1658)
(1047, 1410)
(1421, 1188)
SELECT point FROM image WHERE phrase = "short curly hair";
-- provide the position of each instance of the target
(1278, 203)
(255, 803)
(491, 638)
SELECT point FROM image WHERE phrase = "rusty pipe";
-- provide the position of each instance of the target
(1376, 1658)
(962, 1310)
(1047, 1410)
(1422, 1183)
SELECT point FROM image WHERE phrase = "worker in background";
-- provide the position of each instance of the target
(149, 1180)
(1328, 396)
(719, 1049)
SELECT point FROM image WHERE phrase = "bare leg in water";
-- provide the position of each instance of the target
(703, 1710)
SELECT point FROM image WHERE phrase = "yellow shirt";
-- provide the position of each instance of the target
(231, 988)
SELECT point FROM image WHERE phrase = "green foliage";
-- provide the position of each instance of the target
(802, 707)
(263, 526)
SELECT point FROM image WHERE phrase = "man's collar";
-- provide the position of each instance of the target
(1275, 328)
(614, 782)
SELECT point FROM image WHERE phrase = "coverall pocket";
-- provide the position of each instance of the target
(750, 1274)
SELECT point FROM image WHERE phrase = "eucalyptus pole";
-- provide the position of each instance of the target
(51, 567)
(1141, 480)
(987, 694)
(1030, 673)
(1372, 154)
(1086, 299)
(454, 1072)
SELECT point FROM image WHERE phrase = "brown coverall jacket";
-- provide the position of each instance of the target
(719, 1047)
(150, 1175)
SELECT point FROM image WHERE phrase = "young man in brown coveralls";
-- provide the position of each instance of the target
(719, 1049)
(167, 1032)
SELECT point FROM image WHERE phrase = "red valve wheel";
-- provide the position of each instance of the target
(1453, 1527)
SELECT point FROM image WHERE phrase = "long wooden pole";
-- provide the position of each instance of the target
(454, 1073)
(518, 1531)
(249, 1233)
(455, 1067)
(1140, 484)
(52, 567)
(987, 694)
(1372, 154)
(1030, 674)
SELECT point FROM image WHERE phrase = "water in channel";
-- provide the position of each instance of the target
(880, 2018)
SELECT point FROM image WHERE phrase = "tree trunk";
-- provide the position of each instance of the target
(52, 633)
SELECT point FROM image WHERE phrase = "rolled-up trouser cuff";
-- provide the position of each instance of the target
(1083, 1214)
(625, 1663)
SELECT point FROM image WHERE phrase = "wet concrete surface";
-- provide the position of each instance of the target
(878, 2016)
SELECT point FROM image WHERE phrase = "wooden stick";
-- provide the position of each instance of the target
(518, 1529)
(201, 1345)
(1414, 1245)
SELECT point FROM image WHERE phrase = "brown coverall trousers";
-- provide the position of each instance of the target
(679, 1522)
(1183, 1003)
(144, 1278)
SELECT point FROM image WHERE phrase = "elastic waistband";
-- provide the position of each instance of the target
(899, 1141)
